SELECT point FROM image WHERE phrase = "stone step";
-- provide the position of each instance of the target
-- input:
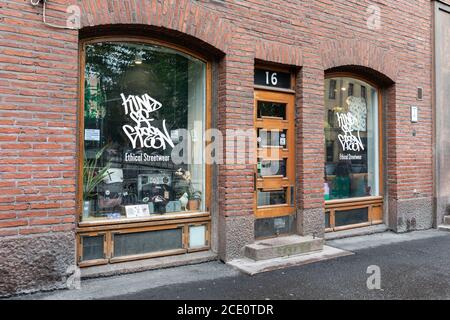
(444, 227)
(282, 247)
(447, 220)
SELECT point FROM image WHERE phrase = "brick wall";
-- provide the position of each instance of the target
(38, 105)
(39, 85)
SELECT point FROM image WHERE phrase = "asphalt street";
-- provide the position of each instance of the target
(415, 269)
(412, 266)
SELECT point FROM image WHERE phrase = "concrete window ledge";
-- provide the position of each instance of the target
(114, 269)
(356, 232)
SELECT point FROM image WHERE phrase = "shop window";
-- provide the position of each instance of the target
(144, 120)
(351, 139)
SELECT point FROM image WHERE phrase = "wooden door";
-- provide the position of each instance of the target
(275, 169)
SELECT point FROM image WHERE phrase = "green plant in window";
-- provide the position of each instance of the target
(94, 101)
(92, 175)
(194, 196)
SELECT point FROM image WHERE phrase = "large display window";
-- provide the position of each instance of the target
(143, 126)
(352, 152)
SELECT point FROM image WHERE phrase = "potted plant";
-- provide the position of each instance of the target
(92, 177)
(195, 197)
(192, 196)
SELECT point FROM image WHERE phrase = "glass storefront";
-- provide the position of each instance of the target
(351, 139)
(144, 121)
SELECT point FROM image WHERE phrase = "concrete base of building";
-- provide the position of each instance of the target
(282, 247)
(235, 232)
(411, 214)
(447, 220)
(252, 267)
(310, 222)
(115, 269)
(33, 263)
(379, 228)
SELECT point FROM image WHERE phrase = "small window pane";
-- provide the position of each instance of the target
(272, 138)
(197, 237)
(349, 217)
(272, 168)
(147, 242)
(92, 247)
(270, 198)
(271, 109)
(327, 220)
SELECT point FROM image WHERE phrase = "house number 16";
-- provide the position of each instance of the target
(271, 79)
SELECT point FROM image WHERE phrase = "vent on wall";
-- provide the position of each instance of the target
(419, 93)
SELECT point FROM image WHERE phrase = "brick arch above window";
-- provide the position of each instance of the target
(270, 51)
(183, 16)
(336, 54)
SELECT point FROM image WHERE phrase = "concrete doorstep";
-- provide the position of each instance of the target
(252, 267)
(281, 252)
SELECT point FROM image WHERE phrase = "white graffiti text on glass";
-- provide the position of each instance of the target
(143, 134)
(347, 121)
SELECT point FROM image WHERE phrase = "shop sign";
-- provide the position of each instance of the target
(143, 134)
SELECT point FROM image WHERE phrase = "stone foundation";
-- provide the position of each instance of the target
(235, 233)
(411, 214)
(36, 262)
(311, 222)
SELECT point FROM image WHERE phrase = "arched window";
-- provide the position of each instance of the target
(144, 121)
(352, 146)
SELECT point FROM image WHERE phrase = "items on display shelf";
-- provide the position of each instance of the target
(173, 206)
(120, 193)
(184, 201)
(137, 211)
(113, 175)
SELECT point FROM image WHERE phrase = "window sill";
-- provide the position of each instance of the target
(133, 221)
(359, 200)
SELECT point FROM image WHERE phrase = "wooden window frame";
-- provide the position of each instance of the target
(107, 227)
(373, 203)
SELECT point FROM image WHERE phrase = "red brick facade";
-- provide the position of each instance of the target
(39, 92)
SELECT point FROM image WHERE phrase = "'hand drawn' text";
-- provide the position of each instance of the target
(143, 134)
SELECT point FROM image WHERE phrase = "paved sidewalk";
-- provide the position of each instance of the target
(413, 266)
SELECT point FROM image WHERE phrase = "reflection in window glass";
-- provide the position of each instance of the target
(270, 198)
(272, 138)
(351, 139)
(272, 168)
(139, 101)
